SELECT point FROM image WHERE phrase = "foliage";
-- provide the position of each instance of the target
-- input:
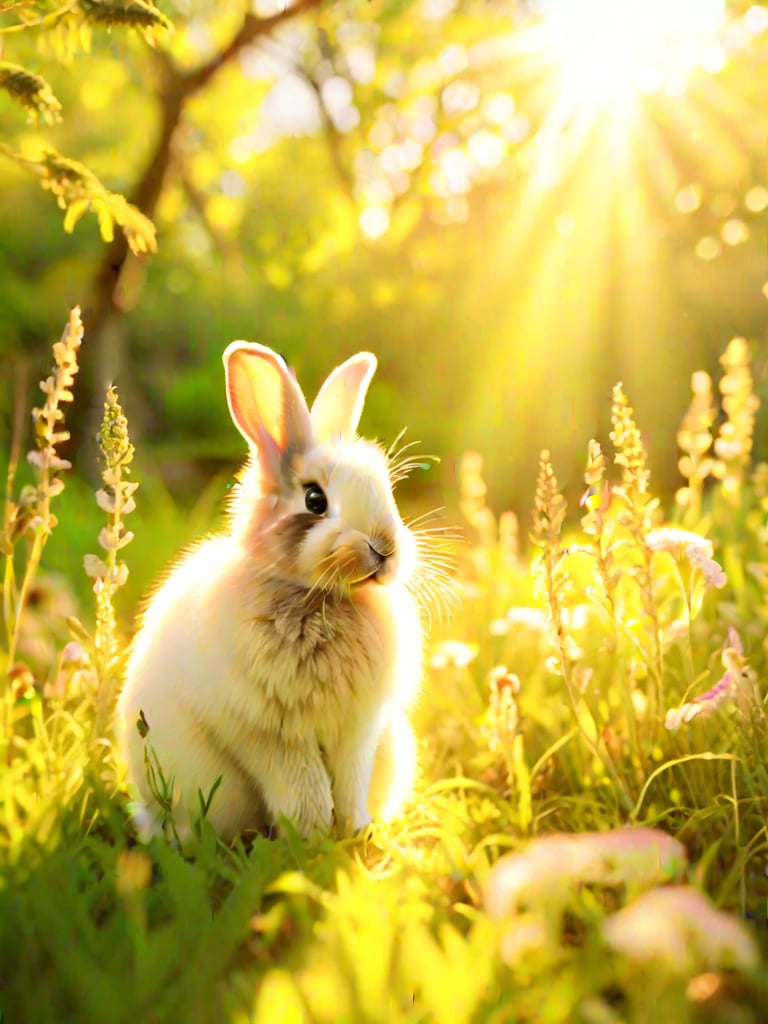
(571, 696)
(76, 188)
(515, 262)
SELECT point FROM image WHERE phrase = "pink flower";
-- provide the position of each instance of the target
(733, 685)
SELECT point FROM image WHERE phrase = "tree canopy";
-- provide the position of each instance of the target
(512, 227)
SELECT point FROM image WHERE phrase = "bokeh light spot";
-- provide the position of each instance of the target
(756, 199)
(708, 248)
(374, 221)
(688, 199)
(734, 232)
(486, 149)
(756, 20)
(499, 108)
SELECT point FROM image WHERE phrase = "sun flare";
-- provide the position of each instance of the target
(609, 50)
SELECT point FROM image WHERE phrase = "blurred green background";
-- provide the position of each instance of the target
(513, 204)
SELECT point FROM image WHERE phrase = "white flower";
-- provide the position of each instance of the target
(683, 544)
(677, 541)
(711, 570)
(533, 619)
(455, 653)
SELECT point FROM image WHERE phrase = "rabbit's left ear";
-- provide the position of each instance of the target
(267, 406)
(337, 409)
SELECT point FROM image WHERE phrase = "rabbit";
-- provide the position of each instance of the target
(282, 656)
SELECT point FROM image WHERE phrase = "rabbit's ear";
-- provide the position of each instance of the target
(337, 409)
(266, 404)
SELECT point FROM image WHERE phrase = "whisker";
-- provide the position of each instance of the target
(393, 452)
(425, 517)
(434, 584)
(403, 460)
(325, 577)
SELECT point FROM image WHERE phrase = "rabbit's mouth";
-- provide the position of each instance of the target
(372, 567)
(357, 560)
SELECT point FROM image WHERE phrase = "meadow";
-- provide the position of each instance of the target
(587, 842)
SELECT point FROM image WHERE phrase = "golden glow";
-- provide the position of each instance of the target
(608, 50)
(635, 138)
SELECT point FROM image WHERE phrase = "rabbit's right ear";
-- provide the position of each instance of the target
(266, 404)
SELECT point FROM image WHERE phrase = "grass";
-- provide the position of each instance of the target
(610, 673)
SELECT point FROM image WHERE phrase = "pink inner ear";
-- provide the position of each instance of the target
(265, 402)
(256, 397)
(337, 409)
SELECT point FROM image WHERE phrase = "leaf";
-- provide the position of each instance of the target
(138, 14)
(74, 212)
(31, 91)
(106, 223)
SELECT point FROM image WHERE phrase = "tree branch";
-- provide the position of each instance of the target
(251, 29)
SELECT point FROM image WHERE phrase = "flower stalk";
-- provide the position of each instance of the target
(109, 572)
(31, 515)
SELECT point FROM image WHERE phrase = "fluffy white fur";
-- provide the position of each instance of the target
(284, 654)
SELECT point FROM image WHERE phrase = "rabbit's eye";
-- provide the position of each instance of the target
(315, 499)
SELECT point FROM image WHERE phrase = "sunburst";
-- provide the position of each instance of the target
(641, 114)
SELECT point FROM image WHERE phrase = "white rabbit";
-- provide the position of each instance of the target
(283, 655)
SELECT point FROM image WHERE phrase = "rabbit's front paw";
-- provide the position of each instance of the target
(314, 811)
(350, 793)
(299, 788)
(351, 824)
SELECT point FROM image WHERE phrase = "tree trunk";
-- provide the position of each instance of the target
(115, 290)
(117, 282)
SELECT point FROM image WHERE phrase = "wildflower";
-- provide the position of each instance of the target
(521, 619)
(108, 572)
(635, 516)
(735, 684)
(677, 541)
(533, 619)
(549, 868)
(33, 512)
(509, 535)
(679, 928)
(502, 715)
(550, 506)
(711, 570)
(472, 498)
(115, 498)
(72, 664)
(597, 496)
(22, 682)
(453, 653)
(733, 444)
(683, 544)
(694, 439)
(630, 451)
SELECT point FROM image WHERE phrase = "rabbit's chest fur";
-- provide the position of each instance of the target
(312, 664)
(250, 660)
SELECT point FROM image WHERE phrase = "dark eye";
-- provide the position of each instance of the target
(315, 499)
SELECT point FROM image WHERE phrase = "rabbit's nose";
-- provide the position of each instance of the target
(386, 565)
(379, 558)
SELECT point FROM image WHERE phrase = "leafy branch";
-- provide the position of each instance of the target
(31, 91)
(78, 190)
